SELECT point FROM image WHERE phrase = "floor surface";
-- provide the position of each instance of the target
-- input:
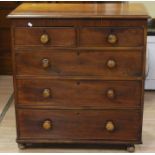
(6, 91)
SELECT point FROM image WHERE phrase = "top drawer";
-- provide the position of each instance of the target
(40, 36)
(111, 36)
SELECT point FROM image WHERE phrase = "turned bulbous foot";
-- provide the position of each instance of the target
(131, 148)
(21, 146)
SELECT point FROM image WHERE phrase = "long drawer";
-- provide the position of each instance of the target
(116, 125)
(79, 93)
(80, 63)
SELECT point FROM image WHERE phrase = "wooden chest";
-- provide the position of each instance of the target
(79, 72)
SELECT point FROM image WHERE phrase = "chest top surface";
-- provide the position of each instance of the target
(79, 10)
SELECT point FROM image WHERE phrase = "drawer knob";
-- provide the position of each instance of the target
(47, 124)
(111, 64)
(112, 39)
(45, 63)
(110, 126)
(44, 39)
(110, 94)
(46, 93)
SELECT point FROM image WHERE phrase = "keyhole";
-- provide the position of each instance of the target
(78, 53)
(78, 82)
(77, 113)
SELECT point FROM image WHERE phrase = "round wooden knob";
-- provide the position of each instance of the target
(46, 93)
(44, 38)
(47, 125)
(111, 64)
(110, 93)
(45, 63)
(112, 39)
(110, 126)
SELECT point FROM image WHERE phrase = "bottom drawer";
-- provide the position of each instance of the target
(116, 125)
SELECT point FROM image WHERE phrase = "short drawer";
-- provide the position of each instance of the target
(116, 125)
(109, 37)
(53, 36)
(79, 93)
(81, 63)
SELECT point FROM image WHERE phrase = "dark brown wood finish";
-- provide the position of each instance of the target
(80, 63)
(80, 10)
(88, 37)
(58, 36)
(74, 67)
(53, 22)
(98, 37)
(79, 124)
(79, 93)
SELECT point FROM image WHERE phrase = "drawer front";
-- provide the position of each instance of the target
(107, 37)
(82, 93)
(82, 63)
(56, 36)
(79, 124)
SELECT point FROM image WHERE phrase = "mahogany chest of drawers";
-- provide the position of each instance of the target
(79, 73)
